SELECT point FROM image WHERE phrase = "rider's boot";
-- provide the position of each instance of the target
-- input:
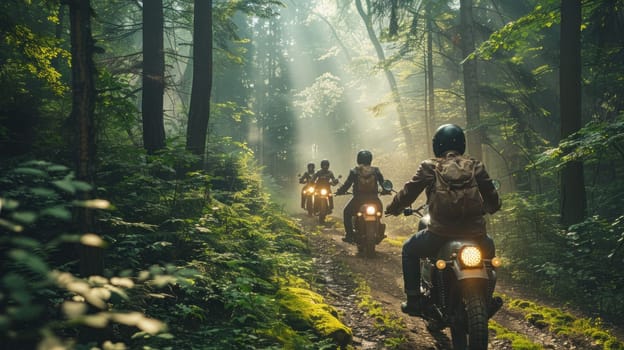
(414, 305)
(349, 237)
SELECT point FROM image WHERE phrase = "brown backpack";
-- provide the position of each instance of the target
(366, 180)
(455, 196)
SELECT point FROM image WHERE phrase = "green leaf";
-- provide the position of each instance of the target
(58, 212)
(65, 185)
(57, 167)
(8, 204)
(26, 242)
(31, 261)
(30, 171)
(42, 192)
(82, 186)
(26, 217)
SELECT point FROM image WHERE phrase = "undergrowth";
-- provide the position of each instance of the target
(193, 260)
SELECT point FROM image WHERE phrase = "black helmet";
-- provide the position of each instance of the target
(325, 164)
(449, 137)
(310, 165)
(364, 157)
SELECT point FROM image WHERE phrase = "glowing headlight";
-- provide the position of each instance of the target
(470, 256)
(370, 210)
(311, 189)
(496, 261)
(441, 264)
(323, 192)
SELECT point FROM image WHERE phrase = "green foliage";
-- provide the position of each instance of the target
(567, 264)
(322, 98)
(597, 140)
(523, 35)
(208, 277)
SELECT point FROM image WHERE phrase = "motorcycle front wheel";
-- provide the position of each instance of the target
(322, 211)
(366, 245)
(310, 206)
(472, 332)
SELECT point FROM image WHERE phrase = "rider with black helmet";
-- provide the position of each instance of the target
(360, 192)
(325, 177)
(449, 142)
(305, 179)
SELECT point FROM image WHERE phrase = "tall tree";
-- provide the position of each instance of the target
(83, 106)
(403, 121)
(153, 76)
(430, 115)
(471, 80)
(573, 196)
(199, 111)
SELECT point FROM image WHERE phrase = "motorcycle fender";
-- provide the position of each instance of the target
(463, 274)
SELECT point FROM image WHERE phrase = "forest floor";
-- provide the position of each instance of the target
(340, 267)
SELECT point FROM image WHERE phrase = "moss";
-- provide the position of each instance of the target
(564, 324)
(389, 324)
(518, 341)
(305, 309)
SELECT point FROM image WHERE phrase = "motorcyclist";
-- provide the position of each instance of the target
(305, 179)
(448, 141)
(325, 178)
(364, 159)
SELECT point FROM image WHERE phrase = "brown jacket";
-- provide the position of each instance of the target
(424, 180)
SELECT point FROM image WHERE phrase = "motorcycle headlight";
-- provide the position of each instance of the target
(470, 256)
(323, 192)
(311, 189)
(371, 210)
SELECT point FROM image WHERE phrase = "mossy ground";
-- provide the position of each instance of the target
(563, 323)
(307, 309)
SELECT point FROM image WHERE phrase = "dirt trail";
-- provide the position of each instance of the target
(339, 264)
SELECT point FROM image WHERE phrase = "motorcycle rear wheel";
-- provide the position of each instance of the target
(472, 334)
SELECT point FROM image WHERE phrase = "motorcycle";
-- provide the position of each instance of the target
(308, 197)
(321, 199)
(367, 226)
(458, 286)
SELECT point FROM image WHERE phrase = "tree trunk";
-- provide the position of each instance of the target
(471, 81)
(405, 128)
(83, 106)
(573, 196)
(199, 112)
(153, 76)
(430, 120)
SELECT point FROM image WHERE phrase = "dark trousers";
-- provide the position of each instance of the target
(352, 207)
(426, 244)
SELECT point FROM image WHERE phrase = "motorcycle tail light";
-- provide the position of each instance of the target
(470, 256)
(496, 261)
(323, 192)
(371, 210)
(441, 264)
